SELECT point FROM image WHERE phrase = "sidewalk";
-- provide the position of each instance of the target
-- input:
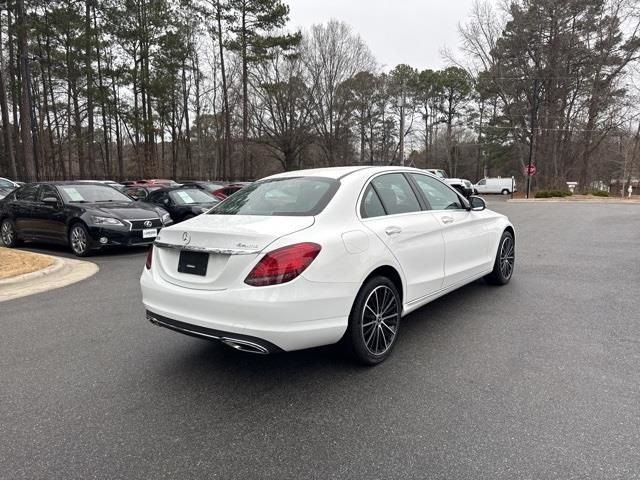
(60, 273)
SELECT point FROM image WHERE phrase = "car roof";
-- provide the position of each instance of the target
(340, 172)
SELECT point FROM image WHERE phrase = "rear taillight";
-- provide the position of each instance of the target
(283, 265)
(149, 259)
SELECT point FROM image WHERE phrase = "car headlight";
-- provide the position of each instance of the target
(106, 221)
(166, 218)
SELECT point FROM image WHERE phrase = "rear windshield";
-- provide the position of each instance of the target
(295, 197)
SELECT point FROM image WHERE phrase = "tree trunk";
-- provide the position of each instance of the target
(226, 158)
(245, 100)
(14, 77)
(27, 122)
(185, 100)
(91, 160)
(103, 108)
(6, 126)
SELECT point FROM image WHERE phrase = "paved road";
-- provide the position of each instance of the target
(536, 380)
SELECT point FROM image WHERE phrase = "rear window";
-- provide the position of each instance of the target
(294, 197)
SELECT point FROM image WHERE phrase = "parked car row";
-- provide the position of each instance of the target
(91, 215)
(85, 216)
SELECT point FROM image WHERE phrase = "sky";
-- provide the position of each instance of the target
(397, 31)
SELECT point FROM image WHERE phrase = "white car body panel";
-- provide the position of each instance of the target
(431, 258)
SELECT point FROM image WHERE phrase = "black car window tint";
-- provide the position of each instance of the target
(47, 191)
(396, 194)
(439, 195)
(27, 193)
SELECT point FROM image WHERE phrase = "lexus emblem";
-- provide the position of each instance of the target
(148, 223)
(186, 238)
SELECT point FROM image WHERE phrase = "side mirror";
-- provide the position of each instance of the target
(52, 201)
(477, 204)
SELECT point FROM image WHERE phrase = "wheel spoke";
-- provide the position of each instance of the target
(392, 302)
(393, 332)
(370, 309)
(384, 339)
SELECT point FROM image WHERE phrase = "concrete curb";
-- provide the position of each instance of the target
(57, 265)
(63, 272)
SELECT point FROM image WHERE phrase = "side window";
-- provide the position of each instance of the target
(6, 183)
(47, 191)
(371, 205)
(482, 182)
(395, 194)
(439, 196)
(27, 193)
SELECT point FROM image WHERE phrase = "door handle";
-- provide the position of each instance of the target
(447, 220)
(391, 231)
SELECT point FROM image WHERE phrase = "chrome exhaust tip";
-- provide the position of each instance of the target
(245, 346)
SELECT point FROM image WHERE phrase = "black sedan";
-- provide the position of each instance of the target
(182, 203)
(85, 216)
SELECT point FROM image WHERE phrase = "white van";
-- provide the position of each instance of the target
(502, 185)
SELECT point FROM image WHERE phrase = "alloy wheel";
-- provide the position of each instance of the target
(7, 233)
(78, 240)
(507, 257)
(380, 318)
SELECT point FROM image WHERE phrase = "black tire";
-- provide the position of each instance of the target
(505, 260)
(370, 338)
(8, 233)
(505, 192)
(79, 240)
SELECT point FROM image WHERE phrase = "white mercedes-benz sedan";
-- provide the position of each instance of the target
(314, 257)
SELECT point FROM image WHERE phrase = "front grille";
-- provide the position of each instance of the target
(139, 224)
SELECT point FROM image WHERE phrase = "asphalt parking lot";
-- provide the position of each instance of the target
(536, 380)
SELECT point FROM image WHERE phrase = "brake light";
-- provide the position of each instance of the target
(149, 259)
(283, 265)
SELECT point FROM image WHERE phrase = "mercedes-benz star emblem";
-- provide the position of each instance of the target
(148, 223)
(186, 238)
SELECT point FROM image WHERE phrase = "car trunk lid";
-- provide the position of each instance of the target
(227, 244)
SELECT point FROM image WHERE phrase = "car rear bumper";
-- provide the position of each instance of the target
(292, 316)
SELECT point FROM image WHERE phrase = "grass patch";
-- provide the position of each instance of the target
(16, 262)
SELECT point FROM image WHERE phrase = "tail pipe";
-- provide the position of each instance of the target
(242, 343)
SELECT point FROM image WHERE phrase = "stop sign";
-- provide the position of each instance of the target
(530, 170)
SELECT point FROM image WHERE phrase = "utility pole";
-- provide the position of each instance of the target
(534, 116)
(402, 100)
